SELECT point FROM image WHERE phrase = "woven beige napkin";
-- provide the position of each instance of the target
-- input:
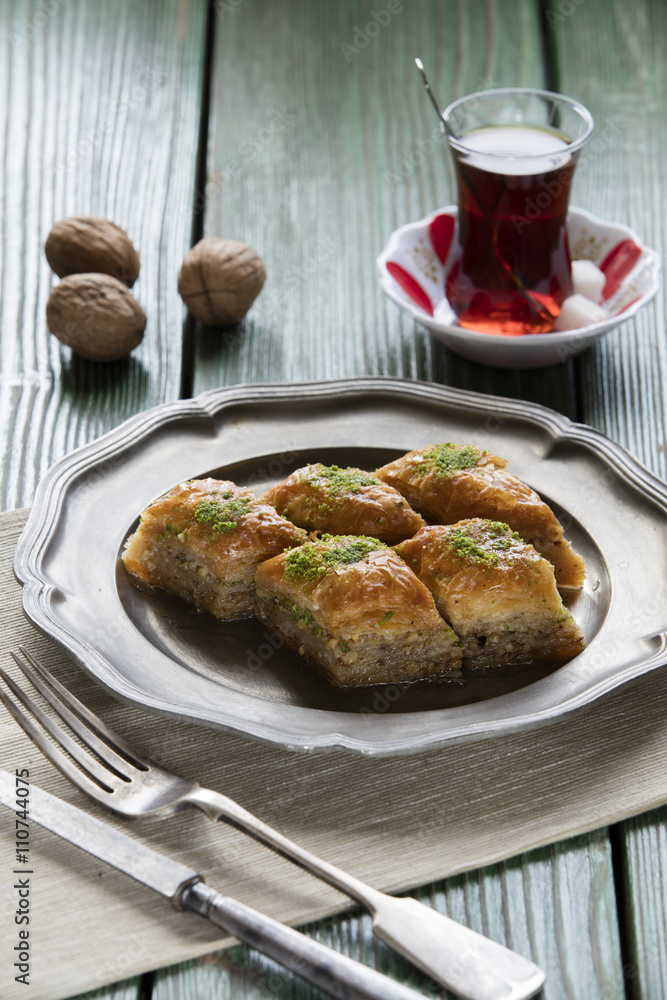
(395, 822)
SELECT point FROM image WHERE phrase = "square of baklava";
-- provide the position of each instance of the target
(496, 591)
(354, 609)
(344, 501)
(202, 542)
(449, 482)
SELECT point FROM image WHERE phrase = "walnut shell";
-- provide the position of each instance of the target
(220, 279)
(83, 244)
(96, 316)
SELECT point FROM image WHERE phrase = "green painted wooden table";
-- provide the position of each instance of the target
(285, 124)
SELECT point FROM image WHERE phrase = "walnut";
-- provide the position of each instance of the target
(220, 279)
(96, 316)
(81, 245)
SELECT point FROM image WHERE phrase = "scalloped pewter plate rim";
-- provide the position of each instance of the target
(300, 727)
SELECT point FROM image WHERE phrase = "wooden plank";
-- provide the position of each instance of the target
(316, 152)
(621, 179)
(645, 871)
(101, 110)
(100, 105)
(622, 380)
(531, 903)
(129, 990)
(323, 147)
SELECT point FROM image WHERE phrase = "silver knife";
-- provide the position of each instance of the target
(325, 968)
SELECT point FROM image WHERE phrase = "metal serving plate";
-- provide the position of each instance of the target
(152, 651)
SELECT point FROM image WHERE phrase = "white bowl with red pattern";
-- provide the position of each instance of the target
(419, 257)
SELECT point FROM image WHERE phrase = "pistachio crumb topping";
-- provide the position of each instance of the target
(221, 513)
(483, 541)
(467, 548)
(444, 459)
(500, 534)
(339, 480)
(314, 560)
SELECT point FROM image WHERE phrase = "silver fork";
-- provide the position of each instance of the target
(471, 965)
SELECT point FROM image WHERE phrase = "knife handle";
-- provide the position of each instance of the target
(342, 977)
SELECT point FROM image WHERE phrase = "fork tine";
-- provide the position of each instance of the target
(95, 788)
(113, 766)
(114, 750)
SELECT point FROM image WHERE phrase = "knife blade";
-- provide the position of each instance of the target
(325, 968)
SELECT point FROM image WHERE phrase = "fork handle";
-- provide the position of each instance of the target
(470, 964)
(220, 807)
(325, 968)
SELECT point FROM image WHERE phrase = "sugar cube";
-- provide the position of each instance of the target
(578, 311)
(587, 279)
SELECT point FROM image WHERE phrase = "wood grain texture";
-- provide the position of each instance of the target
(100, 110)
(100, 105)
(317, 151)
(129, 990)
(621, 177)
(532, 903)
(322, 147)
(314, 158)
(645, 870)
(622, 381)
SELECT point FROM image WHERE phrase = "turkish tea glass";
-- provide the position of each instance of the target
(515, 152)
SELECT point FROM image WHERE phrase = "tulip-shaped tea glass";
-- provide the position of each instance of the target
(515, 152)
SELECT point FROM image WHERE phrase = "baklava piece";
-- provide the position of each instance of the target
(496, 591)
(354, 609)
(202, 542)
(344, 502)
(448, 482)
